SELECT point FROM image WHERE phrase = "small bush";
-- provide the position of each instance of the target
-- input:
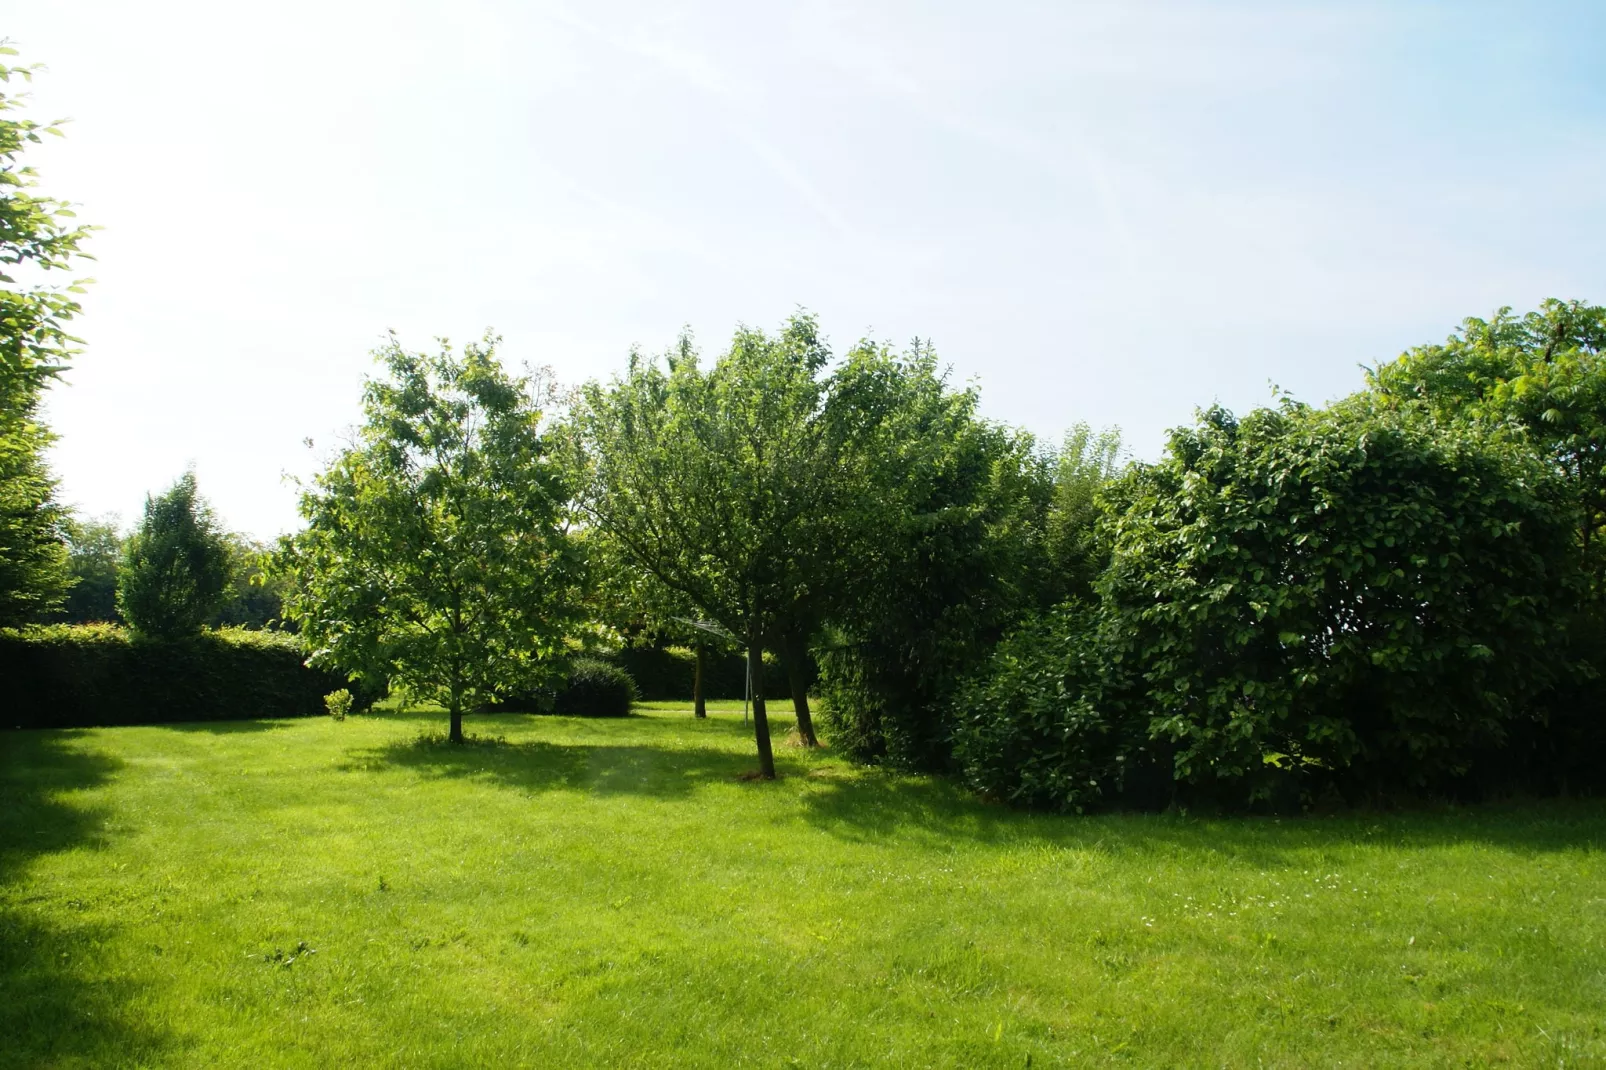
(338, 703)
(77, 676)
(596, 689)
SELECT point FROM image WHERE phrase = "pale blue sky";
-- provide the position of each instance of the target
(1111, 212)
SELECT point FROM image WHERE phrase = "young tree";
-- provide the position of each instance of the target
(1084, 465)
(175, 566)
(436, 551)
(37, 235)
(717, 482)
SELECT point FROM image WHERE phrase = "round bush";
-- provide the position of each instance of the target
(596, 689)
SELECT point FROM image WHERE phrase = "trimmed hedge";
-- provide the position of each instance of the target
(81, 676)
(666, 674)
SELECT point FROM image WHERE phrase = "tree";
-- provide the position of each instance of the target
(33, 551)
(175, 566)
(436, 551)
(1084, 465)
(645, 612)
(37, 235)
(94, 549)
(1544, 374)
(255, 595)
(719, 483)
(944, 533)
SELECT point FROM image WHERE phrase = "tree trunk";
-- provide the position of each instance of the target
(794, 654)
(699, 707)
(457, 719)
(761, 721)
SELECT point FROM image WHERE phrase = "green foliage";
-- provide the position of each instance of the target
(666, 673)
(338, 703)
(1035, 727)
(34, 576)
(1348, 597)
(724, 486)
(37, 235)
(94, 549)
(1543, 373)
(175, 566)
(436, 554)
(596, 689)
(948, 540)
(1085, 464)
(255, 594)
(65, 676)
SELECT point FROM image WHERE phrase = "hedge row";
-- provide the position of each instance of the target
(665, 674)
(79, 676)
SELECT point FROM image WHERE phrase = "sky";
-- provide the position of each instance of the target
(1105, 212)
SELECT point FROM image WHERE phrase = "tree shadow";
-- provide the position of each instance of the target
(50, 1011)
(870, 805)
(538, 766)
(229, 728)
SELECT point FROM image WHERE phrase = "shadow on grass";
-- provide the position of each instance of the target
(539, 766)
(871, 805)
(229, 728)
(50, 1011)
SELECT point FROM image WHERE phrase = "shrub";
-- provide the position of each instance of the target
(1350, 598)
(596, 689)
(338, 703)
(1035, 728)
(71, 676)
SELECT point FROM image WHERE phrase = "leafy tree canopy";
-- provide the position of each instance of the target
(436, 551)
(38, 235)
(1543, 373)
(723, 483)
(947, 532)
(95, 548)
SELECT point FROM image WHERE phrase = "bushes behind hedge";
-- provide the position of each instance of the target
(79, 676)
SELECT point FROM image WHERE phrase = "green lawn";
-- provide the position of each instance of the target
(611, 893)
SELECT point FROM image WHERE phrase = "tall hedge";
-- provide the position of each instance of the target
(75, 676)
(1367, 600)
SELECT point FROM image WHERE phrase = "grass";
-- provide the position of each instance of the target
(610, 893)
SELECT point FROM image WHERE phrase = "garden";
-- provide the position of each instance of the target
(774, 706)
